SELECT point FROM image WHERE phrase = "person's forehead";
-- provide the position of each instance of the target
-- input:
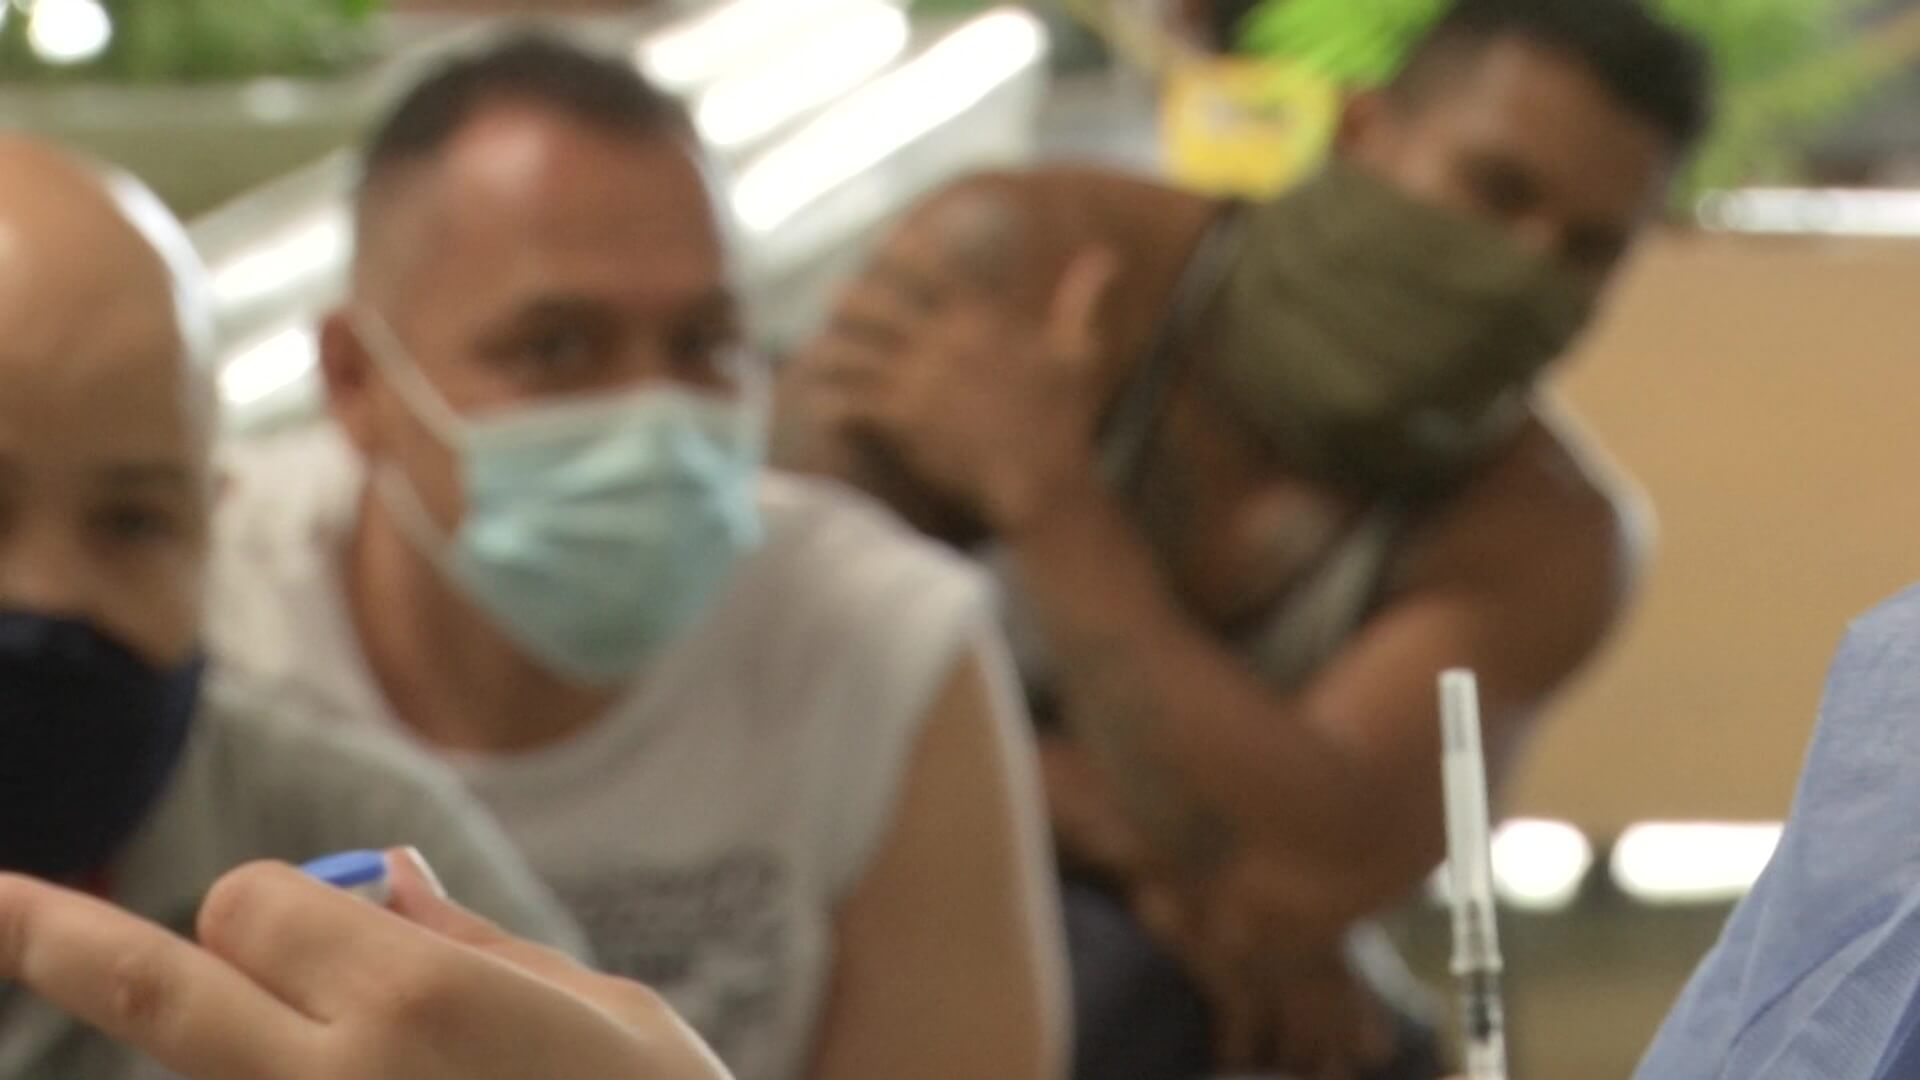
(523, 194)
(107, 397)
(1549, 109)
(84, 301)
(93, 362)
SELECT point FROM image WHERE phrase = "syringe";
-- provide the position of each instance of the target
(1476, 933)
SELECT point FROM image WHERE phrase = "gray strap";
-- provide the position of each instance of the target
(1134, 425)
(1320, 615)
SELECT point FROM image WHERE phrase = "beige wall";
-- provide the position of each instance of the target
(1766, 394)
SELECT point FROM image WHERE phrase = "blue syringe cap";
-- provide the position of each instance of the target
(363, 873)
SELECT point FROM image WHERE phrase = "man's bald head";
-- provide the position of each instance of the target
(106, 415)
(86, 249)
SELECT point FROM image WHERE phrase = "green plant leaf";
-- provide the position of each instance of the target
(205, 40)
(1353, 42)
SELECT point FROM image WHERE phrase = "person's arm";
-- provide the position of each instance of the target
(1326, 800)
(294, 980)
(949, 964)
(1090, 828)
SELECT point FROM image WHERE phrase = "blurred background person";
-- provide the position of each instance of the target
(129, 767)
(1298, 468)
(762, 741)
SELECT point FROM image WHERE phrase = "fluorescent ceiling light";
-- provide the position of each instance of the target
(270, 365)
(1812, 212)
(727, 38)
(824, 64)
(886, 115)
(1538, 865)
(316, 245)
(1668, 863)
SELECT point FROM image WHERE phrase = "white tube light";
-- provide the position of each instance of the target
(726, 38)
(1538, 865)
(314, 246)
(824, 64)
(887, 114)
(1668, 863)
(1812, 212)
(275, 362)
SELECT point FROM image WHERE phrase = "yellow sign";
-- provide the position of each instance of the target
(1251, 128)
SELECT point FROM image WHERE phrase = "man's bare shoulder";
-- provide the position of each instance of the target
(1069, 183)
(1552, 526)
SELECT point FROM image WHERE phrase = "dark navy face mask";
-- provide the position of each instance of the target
(89, 736)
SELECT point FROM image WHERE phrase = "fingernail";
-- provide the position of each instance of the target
(420, 863)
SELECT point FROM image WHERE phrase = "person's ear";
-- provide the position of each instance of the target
(350, 379)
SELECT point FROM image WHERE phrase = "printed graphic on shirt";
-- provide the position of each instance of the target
(708, 936)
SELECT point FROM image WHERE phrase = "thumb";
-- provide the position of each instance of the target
(417, 895)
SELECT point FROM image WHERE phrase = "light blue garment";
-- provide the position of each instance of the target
(596, 533)
(596, 530)
(1817, 974)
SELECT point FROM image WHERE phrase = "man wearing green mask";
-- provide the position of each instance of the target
(761, 740)
(1253, 476)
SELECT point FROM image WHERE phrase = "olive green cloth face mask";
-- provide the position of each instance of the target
(1377, 342)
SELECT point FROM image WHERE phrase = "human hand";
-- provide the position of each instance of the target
(1088, 825)
(1276, 1003)
(986, 404)
(811, 437)
(294, 980)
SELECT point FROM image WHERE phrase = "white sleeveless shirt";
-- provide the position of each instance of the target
(705, 831)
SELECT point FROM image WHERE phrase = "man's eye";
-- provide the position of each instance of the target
(134, 524)
(699, 354)
(1502, 196)
(559, 352)
(1502, 191)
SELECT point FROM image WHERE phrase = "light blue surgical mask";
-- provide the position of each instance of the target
(596, 531)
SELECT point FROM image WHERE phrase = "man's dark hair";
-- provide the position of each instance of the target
(526, 68)
(1657, 71)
